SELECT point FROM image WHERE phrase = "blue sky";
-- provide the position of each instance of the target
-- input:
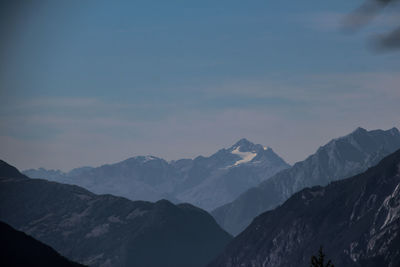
(93, 82)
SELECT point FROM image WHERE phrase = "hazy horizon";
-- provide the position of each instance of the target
(193, 156)
(84, 83)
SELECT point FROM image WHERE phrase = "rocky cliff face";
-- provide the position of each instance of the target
(356, 220)
(340, 158)
(207, 182)
(103, 230)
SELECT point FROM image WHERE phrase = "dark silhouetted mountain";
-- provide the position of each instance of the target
(7, 170)
(18, 249)
(207, 182)
(356, 220)
(339, 159)
(104, 230)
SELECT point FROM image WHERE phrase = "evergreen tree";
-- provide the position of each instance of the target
(320, 261)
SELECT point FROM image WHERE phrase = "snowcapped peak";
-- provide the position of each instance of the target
(149, 158)
(359, 130)
(143, 159)
(244, 143)
(245, 156)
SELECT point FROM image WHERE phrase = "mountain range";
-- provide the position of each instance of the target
(104, 230)
(206, 182)
(338, 159)
(355, 220)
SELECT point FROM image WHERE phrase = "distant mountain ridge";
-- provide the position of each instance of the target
(356, 220)
(340, 158)
(207, 182)
(104, 230)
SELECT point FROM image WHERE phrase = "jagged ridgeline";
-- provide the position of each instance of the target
(356, 220)
(206, 182)
(104, 230)
(338, 159)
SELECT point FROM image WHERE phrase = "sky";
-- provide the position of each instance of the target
(89, 82)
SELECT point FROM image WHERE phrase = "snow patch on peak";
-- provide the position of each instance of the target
(246, 156)
(148, 158)
(145, 159)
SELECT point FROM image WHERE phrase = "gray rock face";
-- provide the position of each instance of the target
(340, 158)
(207, 182)
(103, 230)
(356, 220)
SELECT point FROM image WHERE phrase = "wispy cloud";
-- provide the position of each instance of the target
(305, 112)
(348, 22)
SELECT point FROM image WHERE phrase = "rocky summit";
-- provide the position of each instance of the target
(356, 220)
(338, 159)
